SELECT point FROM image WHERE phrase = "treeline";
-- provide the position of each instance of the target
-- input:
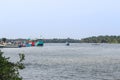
(93, 39)
(55, 40)
(101, 39)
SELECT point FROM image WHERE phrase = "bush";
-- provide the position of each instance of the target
(10, 70)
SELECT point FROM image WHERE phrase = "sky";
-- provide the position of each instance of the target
(59, 18)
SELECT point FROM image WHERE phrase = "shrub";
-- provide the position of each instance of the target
(10, 70)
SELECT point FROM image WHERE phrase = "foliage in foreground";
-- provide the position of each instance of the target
(10, 70)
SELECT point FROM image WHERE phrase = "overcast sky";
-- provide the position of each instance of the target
(59, 18)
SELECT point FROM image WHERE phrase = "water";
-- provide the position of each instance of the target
(74, 62)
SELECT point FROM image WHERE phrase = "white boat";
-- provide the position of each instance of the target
(2, 46)
(11, 46)
(8, 46)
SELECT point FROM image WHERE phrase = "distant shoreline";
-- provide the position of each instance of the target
(93, 39)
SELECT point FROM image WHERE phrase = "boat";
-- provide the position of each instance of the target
(67, 43)
(7, 45)
(2, 46)
(39, 43)
(11, 46)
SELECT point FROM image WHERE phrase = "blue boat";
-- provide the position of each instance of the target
(39, 43)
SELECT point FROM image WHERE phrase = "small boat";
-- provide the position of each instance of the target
(67, 43)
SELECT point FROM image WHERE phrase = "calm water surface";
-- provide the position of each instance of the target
(74, 62)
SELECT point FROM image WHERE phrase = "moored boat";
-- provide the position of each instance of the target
(2, 46)
(67, 43)
(39, 43)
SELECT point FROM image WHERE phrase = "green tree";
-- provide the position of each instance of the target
(10, 70)
(4, 40)
(102, 39)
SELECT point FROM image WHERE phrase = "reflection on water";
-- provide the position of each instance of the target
(74, 62)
